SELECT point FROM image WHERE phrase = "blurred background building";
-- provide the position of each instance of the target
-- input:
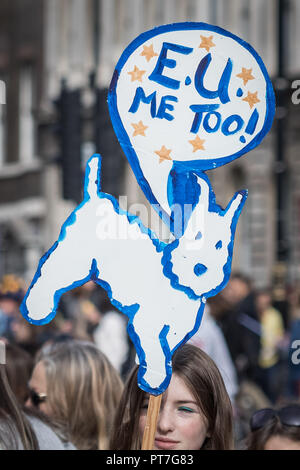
(57, 58)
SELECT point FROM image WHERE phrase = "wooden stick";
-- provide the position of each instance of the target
(151, 422)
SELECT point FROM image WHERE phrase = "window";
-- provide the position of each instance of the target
(213, 11)
(245, 20)
(27, 132)
(12, 252)
(2, 92)
(2, 121)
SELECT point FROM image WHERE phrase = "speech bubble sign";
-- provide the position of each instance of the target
(191, 96)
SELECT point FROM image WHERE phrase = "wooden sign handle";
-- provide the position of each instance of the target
(151, 422)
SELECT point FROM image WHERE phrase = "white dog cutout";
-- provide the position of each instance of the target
(161, 288)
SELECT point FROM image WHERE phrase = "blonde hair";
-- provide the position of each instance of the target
(83, 392)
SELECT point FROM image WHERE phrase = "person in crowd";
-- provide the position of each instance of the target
(293, 382)
(112, 339)
(79, 312)
(76, 386)
(272, 337)
(275, 429)
(241, 327)
(3, 323)
(29, 337)
(11, 295)
(19, 430)
(19, 366)
(195, 411)
(13, 327)
(210, 339)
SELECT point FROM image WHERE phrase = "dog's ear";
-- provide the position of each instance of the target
(236, 205)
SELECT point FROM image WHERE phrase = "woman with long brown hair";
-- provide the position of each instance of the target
(195, 411)
(22, 430)
(19, 365)
(77, 387)
(14, 425)
(273, 429)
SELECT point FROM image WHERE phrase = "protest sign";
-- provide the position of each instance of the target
(184, 98)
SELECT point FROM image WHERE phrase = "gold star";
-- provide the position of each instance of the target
(136, 74)
(139, 128)
(148, 52)
(251, 99)
(246, 75)
(207, 42)
(164, 154)
(197, 143)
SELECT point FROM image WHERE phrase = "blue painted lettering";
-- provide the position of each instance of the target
(161, 113)
(206, 123)
(140, 96)
(229, 121)
(222, 91)
(199, 109)
(163, 61)
(251, 126)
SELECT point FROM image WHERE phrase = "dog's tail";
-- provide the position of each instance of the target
(92, 184)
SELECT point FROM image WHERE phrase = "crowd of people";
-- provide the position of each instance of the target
(72, 384)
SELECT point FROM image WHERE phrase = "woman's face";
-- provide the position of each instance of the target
(181, 424)
(38, 386)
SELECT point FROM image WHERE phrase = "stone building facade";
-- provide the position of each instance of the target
(22, 205)
(49, 44)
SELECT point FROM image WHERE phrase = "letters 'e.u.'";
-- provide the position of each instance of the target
(184, 98)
